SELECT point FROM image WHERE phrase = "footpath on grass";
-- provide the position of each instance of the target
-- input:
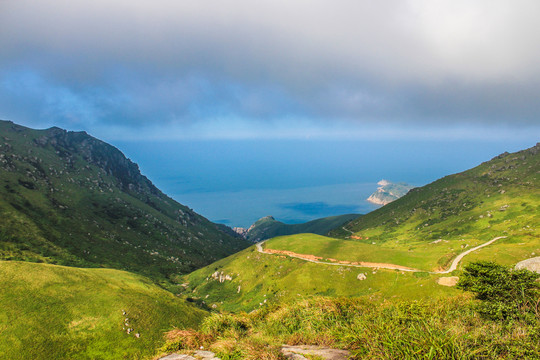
(363, 264)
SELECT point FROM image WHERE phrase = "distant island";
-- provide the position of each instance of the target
(388, 192)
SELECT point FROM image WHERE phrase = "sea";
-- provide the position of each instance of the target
(236, 182)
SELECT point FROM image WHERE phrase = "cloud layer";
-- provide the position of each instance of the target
(250, 65)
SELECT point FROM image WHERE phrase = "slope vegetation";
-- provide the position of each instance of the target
(500, 197)
(268, 227)
(68, 198)
(57, 312)
(426, 230)
(251, 280)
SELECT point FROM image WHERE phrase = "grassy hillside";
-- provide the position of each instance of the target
(257, 280)
(56, 312)
(424, 230)
(68, 198)
(498, 197)
(423, 258)
(268, 227)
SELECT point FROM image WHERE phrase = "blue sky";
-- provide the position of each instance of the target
(173, 72)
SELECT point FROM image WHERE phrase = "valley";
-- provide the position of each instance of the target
(99, 263)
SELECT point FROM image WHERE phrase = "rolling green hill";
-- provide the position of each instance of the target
(425, 231)
(250, 280)
(499, 197)
(268, 227)
(67, 198)
(56, 312)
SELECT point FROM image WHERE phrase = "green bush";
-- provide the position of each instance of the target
(505, 293)
(222, 325)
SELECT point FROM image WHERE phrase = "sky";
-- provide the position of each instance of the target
(443, 73)
(272, 69)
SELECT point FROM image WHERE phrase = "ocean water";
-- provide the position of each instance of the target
(243, 208)
(236, 182)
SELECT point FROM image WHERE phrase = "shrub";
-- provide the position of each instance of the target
(222, 325)
(505, 293)
(185, 340)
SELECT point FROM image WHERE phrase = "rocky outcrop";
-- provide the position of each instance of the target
(197, 355)
(311, 351)
(532, 264)
(241, 231)
(388, 192)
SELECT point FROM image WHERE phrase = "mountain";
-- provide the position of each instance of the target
(405, 250)
(268, 227)
(498, 197)
(70, 199)
(388, 192)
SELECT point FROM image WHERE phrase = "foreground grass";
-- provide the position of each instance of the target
(403, 330)
(56, 312)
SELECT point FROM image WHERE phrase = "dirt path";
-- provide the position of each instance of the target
(458, 258)
(343, 227)
(317, 259)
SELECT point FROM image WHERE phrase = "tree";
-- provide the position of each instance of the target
(505, 293)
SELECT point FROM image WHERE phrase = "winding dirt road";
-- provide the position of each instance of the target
(362, 264)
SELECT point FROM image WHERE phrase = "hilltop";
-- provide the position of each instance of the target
(70, 199)
(268, 227)
(498, 197)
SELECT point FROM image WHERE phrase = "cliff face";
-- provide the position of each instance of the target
(71, 199)
(68, 144)
(388, 192)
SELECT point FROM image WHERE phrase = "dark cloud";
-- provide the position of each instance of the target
(135, 63)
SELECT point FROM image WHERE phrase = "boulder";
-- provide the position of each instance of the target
(532, 264)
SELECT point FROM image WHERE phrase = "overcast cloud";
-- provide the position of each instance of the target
(254, 68)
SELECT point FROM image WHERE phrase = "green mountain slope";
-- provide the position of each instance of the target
(500, 197)
(250, 280)
(268, 227)
(68, 198)
(424, 231)
(57, 312)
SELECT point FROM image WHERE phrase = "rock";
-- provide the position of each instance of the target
(297, 352)
(197, 355)
(448, 281)
(361, 276)
(388, 192)
(241, 231)
(206, 355)
(532, 264)
(221, 277)
(177, 357)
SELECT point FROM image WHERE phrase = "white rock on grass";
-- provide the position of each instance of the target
(361, 276)
(532, 264)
